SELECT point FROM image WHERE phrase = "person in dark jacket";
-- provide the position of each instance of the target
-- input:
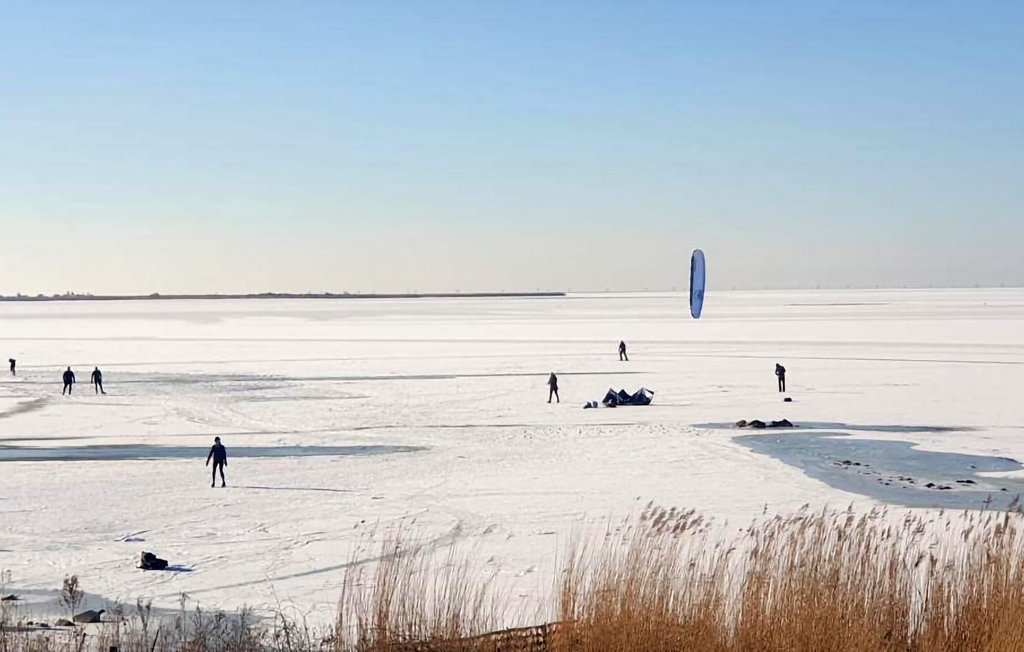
(220, 459)
(780, 371)
(622, 352)
(69, 381)
(97, 380)
(14, 363)
(553, 387)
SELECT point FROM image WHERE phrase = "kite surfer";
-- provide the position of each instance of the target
(553, 387)
(622, 352)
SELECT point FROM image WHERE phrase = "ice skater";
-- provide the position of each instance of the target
(553, 387)
(69, 381)
(14, 363)
(780, 371)
(220, 459)
(622, 352)
(97, 380)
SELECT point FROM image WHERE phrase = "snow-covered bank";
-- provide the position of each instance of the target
(450, 397)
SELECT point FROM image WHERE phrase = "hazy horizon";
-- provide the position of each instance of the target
(457, 146)
(341, 294)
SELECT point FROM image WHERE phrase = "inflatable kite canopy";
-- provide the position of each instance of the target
(696, 283)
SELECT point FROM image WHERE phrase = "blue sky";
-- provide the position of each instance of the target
(392, 146)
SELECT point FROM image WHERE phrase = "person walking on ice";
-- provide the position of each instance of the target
(14, 363)
(780, 371)
(97, 380)
(553, 387)
(622, 352)
(69, 381)
(220, 459)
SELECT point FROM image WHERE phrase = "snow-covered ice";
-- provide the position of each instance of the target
(342, 416)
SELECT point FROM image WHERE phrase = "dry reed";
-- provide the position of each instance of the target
(826, 580)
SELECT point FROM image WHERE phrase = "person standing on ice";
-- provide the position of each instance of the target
(780, 371)
(97, 380)
(553, 387)
(13, 364)
(622, 352)
(220, 459)
(69, 381)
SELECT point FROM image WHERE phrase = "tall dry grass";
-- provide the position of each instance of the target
(407, 600)
(825, 580)
(812, 581)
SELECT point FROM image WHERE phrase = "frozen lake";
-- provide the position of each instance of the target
(344, 416)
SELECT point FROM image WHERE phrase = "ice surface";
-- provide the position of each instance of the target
(449, 395)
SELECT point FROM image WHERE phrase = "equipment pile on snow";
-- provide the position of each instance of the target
(641, 396)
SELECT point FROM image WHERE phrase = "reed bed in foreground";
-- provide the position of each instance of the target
(825, 580)
(812, 581)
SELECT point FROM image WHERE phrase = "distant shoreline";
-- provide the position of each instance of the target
(279, 295)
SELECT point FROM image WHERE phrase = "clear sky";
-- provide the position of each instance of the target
(485, 145)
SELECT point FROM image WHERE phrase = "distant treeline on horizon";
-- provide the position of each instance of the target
(156, 296)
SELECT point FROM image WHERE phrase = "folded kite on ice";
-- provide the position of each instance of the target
(641, 396)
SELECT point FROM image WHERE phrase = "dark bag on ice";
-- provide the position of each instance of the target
(152, 562)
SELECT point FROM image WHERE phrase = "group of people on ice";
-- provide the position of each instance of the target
(218, 454)
(780, 373)
(95, 378)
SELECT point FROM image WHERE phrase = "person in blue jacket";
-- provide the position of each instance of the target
(219, 455)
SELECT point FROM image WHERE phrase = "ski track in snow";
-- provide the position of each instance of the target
(461, 384)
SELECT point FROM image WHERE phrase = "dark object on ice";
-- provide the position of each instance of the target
(150, 561)
(14, 363)
(64, 622)
(595, 404)
(622, 352)
(9, 598)
(641, 396)
(966, 481)
(90, 616)
(780, 371)
(787, 400)
(757, 423)
(69, 381)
